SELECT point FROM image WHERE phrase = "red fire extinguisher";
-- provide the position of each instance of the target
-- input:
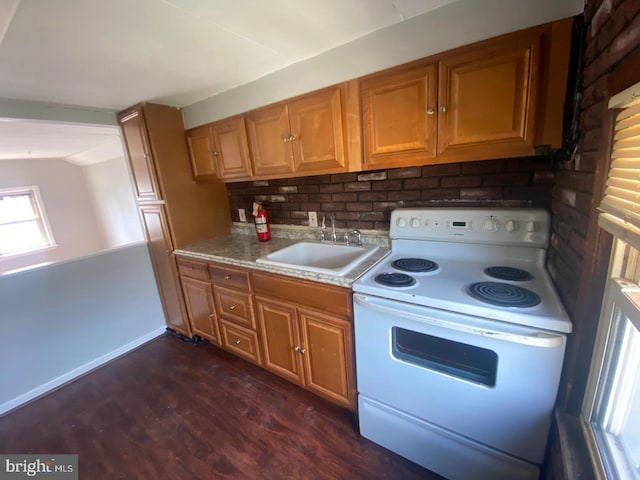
(262, 222)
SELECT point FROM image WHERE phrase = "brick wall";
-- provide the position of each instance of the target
(613, 33)
(365, 200)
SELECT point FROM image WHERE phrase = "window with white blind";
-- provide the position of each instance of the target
(23, 223)
(611, 407)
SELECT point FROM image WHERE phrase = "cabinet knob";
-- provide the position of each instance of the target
(213, 153)
(237, 342)
(296, 348)
(430, 111)
(292, 138)
(232, 307)
(302, 350)
(286, 138)
(211, 315)
(442, 109)
(227, 277)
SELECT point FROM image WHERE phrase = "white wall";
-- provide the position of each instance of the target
(456, 24)
(113, 202)
(60, 321)
(68, 205)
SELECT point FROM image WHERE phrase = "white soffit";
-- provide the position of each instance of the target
(112, 54)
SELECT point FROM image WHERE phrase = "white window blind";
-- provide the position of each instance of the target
(620, 207)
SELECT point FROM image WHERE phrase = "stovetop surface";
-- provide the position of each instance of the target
(459, 266)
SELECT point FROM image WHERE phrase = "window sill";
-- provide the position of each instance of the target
(575, 455)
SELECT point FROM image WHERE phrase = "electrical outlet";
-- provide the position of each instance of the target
(313, 219)
(243, 216)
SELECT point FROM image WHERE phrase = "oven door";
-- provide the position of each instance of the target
(490, 381)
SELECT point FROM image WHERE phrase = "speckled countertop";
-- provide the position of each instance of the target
(242, 248)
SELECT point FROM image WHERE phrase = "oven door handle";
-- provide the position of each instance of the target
(534, 338)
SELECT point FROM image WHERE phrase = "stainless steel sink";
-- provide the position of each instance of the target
(319, 257)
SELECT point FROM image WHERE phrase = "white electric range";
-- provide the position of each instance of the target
(460, 338)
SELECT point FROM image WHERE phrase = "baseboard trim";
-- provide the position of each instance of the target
(60, 381)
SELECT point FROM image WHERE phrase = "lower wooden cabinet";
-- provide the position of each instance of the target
(198, 296)
(164, 266)
(307, 334)
(298, 329)
(308, 347)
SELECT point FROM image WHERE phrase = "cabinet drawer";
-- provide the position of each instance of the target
(193, 269)
(229, 277)
(240, 341)
(234, 306)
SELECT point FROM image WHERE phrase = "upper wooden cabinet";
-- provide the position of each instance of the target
(220, 150)
(493, 99)
(145, 179)
(487, 99)
(399, 117)
(301, 137)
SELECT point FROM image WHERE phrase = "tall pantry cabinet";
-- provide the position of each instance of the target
(175, 210)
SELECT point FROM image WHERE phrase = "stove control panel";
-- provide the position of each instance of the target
(528, 227)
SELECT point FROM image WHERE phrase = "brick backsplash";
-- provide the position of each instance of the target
(365, 200)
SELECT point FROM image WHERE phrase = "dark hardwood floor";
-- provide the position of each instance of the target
(173, 410)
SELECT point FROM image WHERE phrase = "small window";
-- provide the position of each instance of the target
(23, 223)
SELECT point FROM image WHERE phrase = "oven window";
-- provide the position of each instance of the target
(460, 360)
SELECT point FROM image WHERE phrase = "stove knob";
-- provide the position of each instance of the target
(531, 226)
(415, 222)
(401, 222)
(490, 224)
(511, 225)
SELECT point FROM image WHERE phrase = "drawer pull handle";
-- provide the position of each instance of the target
(227, 277)
(190, 269)
(211, 315)
(237, 342)
(232, 307)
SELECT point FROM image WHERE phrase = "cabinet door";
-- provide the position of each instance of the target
(399, 117)
(202, 153)
(232, 149)
(198, 295)
(164, 266)
(269, 134)
(317, 130)
(278, 330)
(328, 357)
(143, 171)
(487, 99)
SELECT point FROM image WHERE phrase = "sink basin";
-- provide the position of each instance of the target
(319, 257)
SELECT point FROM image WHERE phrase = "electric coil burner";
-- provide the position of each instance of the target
(415, 265)
(508, 273)
(395, 279)
(503, 294)
(458, 368)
